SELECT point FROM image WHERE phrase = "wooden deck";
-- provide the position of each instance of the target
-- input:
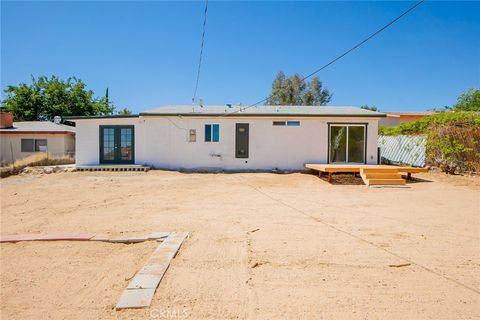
(371, 174)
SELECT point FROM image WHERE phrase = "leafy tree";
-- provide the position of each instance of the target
(461, 119)
(294, 90)
(468, 101)
(125, 111)
(46, 98)
(372, 108)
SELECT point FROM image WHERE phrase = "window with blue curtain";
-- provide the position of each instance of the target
(212, 132)
(216, 132)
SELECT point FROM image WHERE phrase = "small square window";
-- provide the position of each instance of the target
(293, 123)
(278, 123)
(212, 132)
(27, 145)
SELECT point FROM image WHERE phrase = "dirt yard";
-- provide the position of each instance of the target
(261, 246)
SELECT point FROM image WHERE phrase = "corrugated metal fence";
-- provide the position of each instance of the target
(406, 150)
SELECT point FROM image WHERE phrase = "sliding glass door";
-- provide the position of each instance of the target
(347, 143)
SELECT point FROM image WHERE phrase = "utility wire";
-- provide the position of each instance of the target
(343, 54)
(201, 51)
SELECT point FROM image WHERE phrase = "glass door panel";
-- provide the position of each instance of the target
(126, 144)
(338, 144)
(356, 144)
(107, 142)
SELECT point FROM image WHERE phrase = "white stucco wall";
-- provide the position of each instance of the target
(58, 145)
(87, 142)
(163, 142)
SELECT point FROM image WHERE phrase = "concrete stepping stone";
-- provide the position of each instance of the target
(136, 298)
(129, 239)
(149, 277)
(158, 235)
(144, 281)
(154, 269)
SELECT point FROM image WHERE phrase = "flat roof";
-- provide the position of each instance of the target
(269, 111)
(246, 111)
(38, 127)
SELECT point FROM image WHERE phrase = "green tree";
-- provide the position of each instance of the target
(46, 98)
(371, 108)
(468, 101)
(294, 90)
(125, 111)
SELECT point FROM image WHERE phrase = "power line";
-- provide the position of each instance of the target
(201, 51)
(343, 54)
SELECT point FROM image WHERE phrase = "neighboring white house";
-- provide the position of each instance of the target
(231, 138)
(22, 139)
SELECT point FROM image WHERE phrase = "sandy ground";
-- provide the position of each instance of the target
(262, 246)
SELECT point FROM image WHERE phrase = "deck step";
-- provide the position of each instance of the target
(382, 175)
(385, 182)
(379, 170)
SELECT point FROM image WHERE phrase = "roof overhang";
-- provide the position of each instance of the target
(262, 115)
(112, 116)
(35, 132)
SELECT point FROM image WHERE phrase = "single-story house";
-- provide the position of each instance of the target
(396, 118)
(19, 140)
(230, 138)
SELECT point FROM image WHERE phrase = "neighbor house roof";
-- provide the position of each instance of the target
(29, 127)
(314, 111)
(399, 114)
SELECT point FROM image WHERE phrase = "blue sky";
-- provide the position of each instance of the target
(146, 53)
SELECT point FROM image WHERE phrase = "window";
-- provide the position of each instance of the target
(34, 145)
(27, 145)
(212, 132)
(287, 123)
(293, 123)
(40, 145)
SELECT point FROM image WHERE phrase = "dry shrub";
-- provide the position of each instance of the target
(38, 159)
(454, 149)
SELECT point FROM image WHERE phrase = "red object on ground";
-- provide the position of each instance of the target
(77, 236)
